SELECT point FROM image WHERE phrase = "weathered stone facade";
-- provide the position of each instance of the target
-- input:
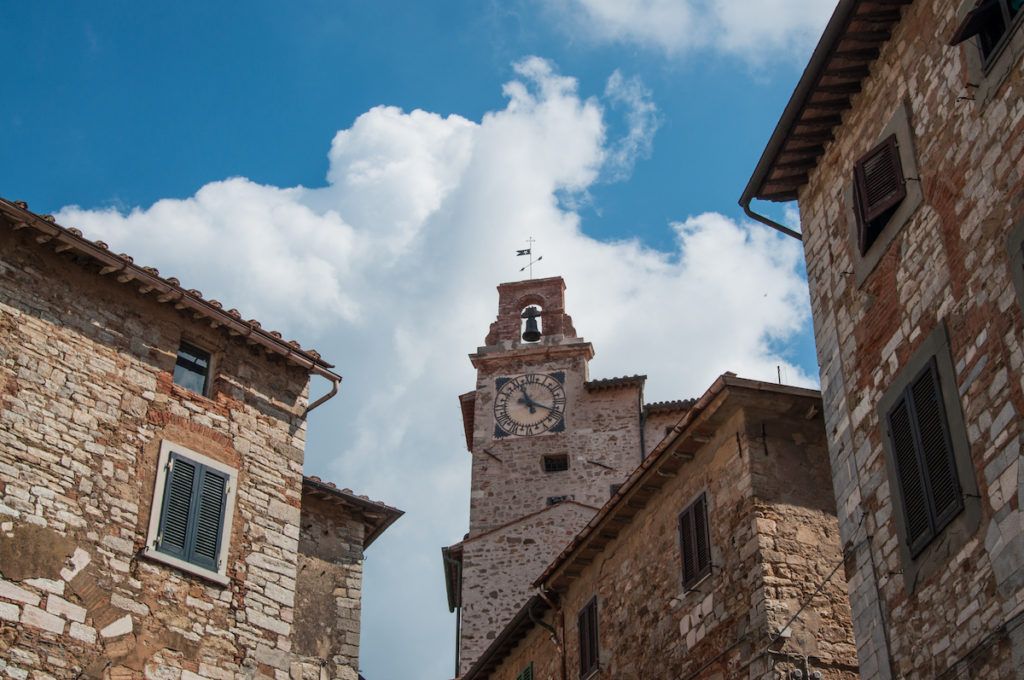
(516, 524)
(86, 399)
(774, 600)
(942, 284)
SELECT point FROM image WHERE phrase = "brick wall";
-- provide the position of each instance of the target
(948, 265)
(87, 397)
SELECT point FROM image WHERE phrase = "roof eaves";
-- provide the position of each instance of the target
(377, 516)
(847, 67)
(614, 383)
(170, 291)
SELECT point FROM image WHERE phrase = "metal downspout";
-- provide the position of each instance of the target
(745, 204)
(335, 381)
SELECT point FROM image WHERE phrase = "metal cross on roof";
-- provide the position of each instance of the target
(529, 253)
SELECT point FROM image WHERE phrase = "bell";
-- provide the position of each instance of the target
(532, 331)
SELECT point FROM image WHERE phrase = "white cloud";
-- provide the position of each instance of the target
(755, 30)
(389, 270)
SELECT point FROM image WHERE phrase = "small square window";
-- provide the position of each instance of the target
(559, 463)
(555, 500)
(192, 369)
(190, 521)
(613, 489)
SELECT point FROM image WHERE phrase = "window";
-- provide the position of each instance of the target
(192, 369)
(923, 458)
(613, 489)
(694, 542)
(933, 492)
(555, 500)
(526, 673)
(879, 187)
(589, 653)
(990, 22)
(558, 463)
(190, 522)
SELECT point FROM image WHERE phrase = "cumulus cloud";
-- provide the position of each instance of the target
(389, 269)
(755, 30)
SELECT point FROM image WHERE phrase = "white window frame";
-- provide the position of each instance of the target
(150, 552)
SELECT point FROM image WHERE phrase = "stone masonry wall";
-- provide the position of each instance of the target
(651, 629)
(86, 397)
(949, 264)
(328, 593)
(498, 568)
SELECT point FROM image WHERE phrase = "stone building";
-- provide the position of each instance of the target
(548, 447)
(154, 517)
(717, 558)
(904, 144)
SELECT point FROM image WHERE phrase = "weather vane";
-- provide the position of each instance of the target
(529, 253)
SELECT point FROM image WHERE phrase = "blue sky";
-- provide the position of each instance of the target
(619, 133)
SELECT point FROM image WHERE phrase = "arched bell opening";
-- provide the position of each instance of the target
(531, 328)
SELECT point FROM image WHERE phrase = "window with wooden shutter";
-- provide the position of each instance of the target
(192, 515)
(879, 187)
(588, 640)
(924, 461)
(990, 22)
(526, 673)
(190, 520)
(694, 542)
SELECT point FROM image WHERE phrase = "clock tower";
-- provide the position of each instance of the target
(548, 447)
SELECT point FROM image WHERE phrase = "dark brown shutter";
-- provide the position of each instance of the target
(977, 21)
(908, 470)
(687, 547)
(702, 553)
(878, 177)
(936, 451)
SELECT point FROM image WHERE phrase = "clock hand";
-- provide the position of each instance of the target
(526, 401)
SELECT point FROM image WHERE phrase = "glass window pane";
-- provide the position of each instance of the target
(192, 368)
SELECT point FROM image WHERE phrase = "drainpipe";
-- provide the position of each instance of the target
(745, 204)
(335, 381)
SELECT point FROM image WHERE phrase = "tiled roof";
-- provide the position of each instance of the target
(669, 406)
(613, 383)
(379, 515)
(166, 290)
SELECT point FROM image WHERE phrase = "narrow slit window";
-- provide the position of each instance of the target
(555, 500)
(192, 368)
(588, 639)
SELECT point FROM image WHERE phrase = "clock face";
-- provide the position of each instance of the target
(529, 404)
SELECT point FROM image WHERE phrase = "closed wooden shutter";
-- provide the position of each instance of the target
(177, 507)
(209, 517)
(526, 674)
(588, 641)
(936, 450)
(923, 458)
(694, 542)
(192, 513)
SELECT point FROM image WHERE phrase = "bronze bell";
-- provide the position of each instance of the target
(532, 331)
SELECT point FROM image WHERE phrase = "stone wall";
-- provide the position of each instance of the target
(329, 588)
(86, 399)
(652, 629)
(499, 566)
(950, 264)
